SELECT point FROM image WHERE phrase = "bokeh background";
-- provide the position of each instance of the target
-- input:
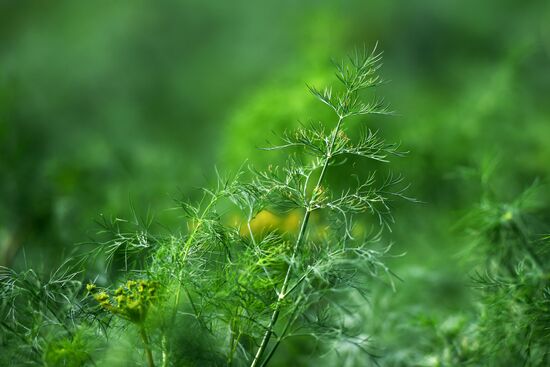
(108, 107)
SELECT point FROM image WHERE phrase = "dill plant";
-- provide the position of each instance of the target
(507, 256)
(42, 319)
(513, 324)
(233, 289)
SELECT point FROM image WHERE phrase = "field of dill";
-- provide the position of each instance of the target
(278, 183)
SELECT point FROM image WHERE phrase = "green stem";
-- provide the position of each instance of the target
(185, 253)
(283, 293)
(289, 322)
(164, 351)
(148, 353)
(186, 249)
(233, 338)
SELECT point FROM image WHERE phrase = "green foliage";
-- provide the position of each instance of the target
(508, 322)
(69, 352)
(243, 289)
(513, 319)
(135, 99)
(42, 318)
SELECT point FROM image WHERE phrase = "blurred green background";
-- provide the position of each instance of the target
(105, 106)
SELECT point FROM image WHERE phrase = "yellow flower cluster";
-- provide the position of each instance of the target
(130, 301)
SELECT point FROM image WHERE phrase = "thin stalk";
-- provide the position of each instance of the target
(233, 339)
(186, 249)
(289, 322)
(187, 245)
(185, 253)
(164, 351)
(148, 353)
(283, 293)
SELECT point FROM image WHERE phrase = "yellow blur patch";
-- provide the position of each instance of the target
(268, 221)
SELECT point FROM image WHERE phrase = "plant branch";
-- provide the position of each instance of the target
(148, 353)
(303, 228)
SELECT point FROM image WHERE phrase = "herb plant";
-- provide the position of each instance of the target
(506, 253)
(514, 292)
(233, 289)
